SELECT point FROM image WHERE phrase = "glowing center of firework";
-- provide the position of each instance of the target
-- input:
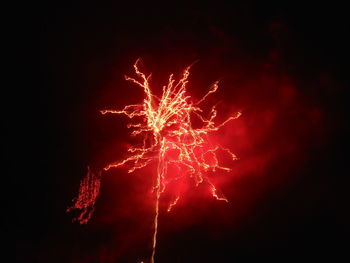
(168, 138)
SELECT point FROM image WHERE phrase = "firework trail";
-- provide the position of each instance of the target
(169, 139)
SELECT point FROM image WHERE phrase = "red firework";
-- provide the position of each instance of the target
(169, 139)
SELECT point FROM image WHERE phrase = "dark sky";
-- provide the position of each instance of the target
(284, 64)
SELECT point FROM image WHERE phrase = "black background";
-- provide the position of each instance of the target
(64, 52)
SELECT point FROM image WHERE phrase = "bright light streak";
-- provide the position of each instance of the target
(168, 138)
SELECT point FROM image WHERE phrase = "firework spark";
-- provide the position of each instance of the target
(169, 138)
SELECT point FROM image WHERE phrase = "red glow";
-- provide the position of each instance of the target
(171, 139)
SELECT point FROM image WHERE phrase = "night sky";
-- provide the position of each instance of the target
(283, 64)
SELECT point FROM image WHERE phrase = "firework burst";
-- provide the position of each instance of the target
(169, 139)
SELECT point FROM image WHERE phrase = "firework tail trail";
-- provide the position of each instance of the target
(160, 174)
(155, 224)
(165, 126)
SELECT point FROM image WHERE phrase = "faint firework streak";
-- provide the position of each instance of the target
(169, 139)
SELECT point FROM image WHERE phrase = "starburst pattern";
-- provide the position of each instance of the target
(169, 138)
